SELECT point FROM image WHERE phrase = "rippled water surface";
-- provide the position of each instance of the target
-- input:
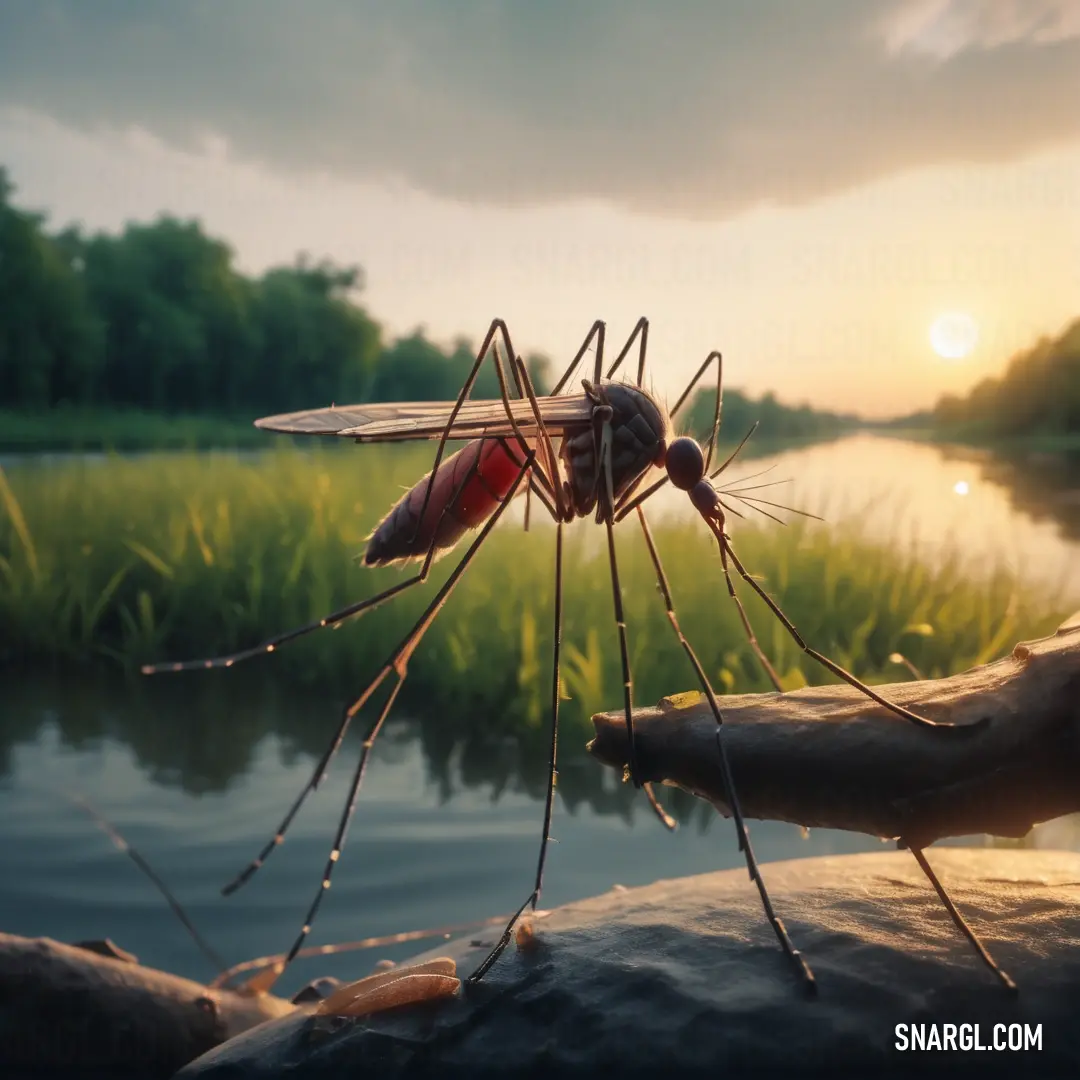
(197, 777)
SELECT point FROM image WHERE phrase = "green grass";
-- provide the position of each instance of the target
(179, 556)
(88, 428)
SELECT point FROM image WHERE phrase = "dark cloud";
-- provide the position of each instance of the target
(689, 108)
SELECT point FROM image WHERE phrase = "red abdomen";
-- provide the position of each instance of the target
(468, 488)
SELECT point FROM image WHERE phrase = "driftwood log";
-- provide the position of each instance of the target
(829, 757)
(90, 1011)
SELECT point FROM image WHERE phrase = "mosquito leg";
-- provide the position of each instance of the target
(595, 331)
(517, 369)
(271, 644)
(396, 663)
(735, 453)
(685, 397)
(751, 637)
(604, 458)
(542, 498)
(549, 804)
(556, 650)
(528, 464)
(332, 748)
(605, 504)
(548, 467)
(497, 327)
(959, 920)
(533, 489)
(343, 823)
(640, 333)
(122, 845)
(630, 501)
(727, 550)
(793, 954)
(665, 818)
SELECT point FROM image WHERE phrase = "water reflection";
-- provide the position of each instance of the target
(446, 830)
(204, 734)
(1019, 512)
(198, 771)
(1045, 487)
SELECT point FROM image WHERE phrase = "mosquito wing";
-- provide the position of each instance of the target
(400, 421)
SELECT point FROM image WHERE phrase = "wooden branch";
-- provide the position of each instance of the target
(829, 757)
(68, 1011)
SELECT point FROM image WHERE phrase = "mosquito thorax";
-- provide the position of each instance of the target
(638, 427)
(685, 463)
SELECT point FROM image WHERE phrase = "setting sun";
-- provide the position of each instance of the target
(953, 335)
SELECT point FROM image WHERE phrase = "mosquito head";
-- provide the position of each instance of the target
(685, 463)
(706, 499)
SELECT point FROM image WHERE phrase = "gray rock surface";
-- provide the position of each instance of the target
(684, 978)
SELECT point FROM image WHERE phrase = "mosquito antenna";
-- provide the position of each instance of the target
(731, 509)
(754, 475)
(727, 506)
(734, 453)
(779, 506)
(760, 487)
(121, 844)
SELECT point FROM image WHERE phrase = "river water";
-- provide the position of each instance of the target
(197, 782)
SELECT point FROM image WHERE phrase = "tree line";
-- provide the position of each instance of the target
(1038, 393)
(741, 412)
(158, 317)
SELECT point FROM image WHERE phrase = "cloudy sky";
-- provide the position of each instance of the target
(805, 185)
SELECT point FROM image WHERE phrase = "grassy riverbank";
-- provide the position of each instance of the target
(105, 429)
(129, 560)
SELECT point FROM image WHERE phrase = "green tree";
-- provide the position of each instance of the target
(177, 316)
(158, 317)
(1038, 393)
(740, 413)
(415, 369)
(314, 345)
(50, 340)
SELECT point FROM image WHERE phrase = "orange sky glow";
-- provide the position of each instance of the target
(818, 270)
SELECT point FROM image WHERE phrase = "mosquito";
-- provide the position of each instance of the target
(579, 454)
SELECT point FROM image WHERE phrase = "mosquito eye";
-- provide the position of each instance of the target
(685, 463)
